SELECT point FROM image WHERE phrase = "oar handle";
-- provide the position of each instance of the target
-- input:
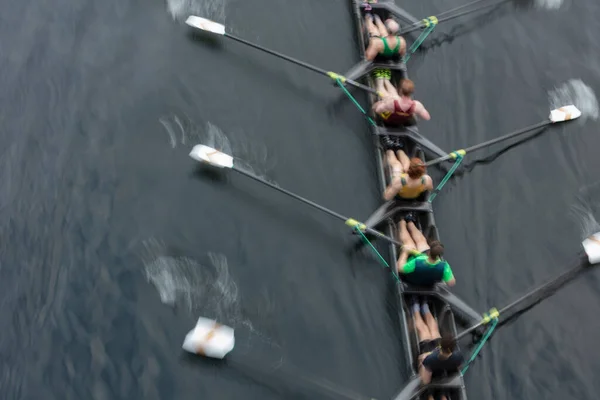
(382, 236)
(441, 159)
(345, 80)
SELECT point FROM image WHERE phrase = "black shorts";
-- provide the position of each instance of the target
(394, 143)
(427, 346)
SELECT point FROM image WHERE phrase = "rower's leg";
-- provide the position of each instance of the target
(405, 236)
(402, 260)
(432, 325)
(420, 325)
(391, 89)
(407, 244)
(417, 237)
(404, 160)
(371, 28)
(380, 83)
(381, 26)
(395, 164)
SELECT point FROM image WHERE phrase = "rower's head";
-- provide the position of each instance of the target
(447, 343)
(416, 169)
(407, 87)
(436, 249)
(392, 26)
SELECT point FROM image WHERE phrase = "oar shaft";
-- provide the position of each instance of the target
(559, 279)
(413, 28)
(504, 313)
(300, 63)
(277, 54)
(313, 204)
(483, 7)
(507, 136)
(493, 141)
(294, 195)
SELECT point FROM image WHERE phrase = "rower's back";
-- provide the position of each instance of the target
(393, 45)
(388, 46)
(415, 181)
(445, 360)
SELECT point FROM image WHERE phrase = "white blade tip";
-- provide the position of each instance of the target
(591, 246)
(209, 339)
(205, 24)
(565, 113)
(211, 156)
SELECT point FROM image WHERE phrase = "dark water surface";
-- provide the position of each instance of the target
(114, 241)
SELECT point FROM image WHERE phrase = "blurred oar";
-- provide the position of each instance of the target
(442, 17)
(218, 159)
(213, 27)
(214, 340)
(591, 246)
(566, 113)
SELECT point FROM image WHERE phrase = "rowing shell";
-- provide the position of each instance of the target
(442, 303)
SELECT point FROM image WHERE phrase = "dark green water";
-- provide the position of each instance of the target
(114, 242)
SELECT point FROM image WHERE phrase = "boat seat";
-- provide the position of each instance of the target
(460, 308)
(365, 67)
(411, 132)
(393, 207)
(420, 290)
(414, 389)
(449, 382)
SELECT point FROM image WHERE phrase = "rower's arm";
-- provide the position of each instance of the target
(372, 50)
(421, 111)
(448, 277)
(429, 184)
(393, 188)
(402, 46)
(425, 375)
(384, 105)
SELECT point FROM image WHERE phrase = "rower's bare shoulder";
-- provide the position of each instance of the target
(429, 181)
(377, 43)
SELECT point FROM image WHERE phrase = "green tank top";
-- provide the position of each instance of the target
(386, 48)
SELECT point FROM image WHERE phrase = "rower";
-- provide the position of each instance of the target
(397, 109)
(409, 179)
(438, 352)
(426, 268)
(383, 39)
(442, 397)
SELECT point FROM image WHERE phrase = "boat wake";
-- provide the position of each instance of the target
(584, 210)
(212, 9)
(549, 4)
(206, 290)
(250, 156)
(577, 93)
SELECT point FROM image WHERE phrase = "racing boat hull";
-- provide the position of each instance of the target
(443, 304)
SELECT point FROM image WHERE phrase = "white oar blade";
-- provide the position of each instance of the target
(565, 113)
(211, 156)
(209, 339)
(591, 246)
(205, 25)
